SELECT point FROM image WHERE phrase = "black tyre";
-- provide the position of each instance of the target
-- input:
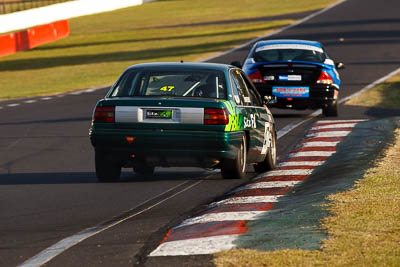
(106, 170)
(235, 168)
(331, 110)
(269, 162)
(144, 170)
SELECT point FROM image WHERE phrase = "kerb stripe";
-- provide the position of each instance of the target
(221, 217)
(197, 246)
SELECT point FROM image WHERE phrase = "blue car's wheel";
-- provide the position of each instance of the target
(331, 110)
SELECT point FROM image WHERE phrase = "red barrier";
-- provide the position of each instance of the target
(7, 44)
(33, 37)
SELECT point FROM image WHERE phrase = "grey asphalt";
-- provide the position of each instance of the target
(48, 189)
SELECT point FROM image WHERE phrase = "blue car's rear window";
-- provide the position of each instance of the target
(263, 55)
(197, 83)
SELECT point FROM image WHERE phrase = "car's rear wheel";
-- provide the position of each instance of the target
(331, 110)
(235, 168)
(144, 170)
(106, 169)
(269, 162)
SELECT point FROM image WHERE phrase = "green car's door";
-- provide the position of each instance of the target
(255, 117)
(264, 119)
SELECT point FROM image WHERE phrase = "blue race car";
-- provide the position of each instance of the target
(298, 73)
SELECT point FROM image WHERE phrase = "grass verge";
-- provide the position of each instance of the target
(101, 46)
(385, 95)
(364, 226)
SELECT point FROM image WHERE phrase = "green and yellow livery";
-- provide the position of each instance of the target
(182, 114)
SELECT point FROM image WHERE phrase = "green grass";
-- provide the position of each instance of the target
(386, 95)
(364, 229)
(364, 226)
(101, 46)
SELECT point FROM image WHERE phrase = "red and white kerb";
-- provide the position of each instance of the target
(221, 223)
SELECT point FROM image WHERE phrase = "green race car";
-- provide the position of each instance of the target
(179, 115)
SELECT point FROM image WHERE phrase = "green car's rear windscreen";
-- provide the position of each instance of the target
(199, 83)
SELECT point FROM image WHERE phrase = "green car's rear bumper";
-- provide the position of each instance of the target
(166, 147)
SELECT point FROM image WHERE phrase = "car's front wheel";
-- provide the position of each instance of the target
(235, 168)
(269, 162)
(106, 170)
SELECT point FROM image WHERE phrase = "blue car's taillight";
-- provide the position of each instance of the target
(256, 77)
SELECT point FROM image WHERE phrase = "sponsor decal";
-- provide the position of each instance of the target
(235, 120)
(290, 77)
(250, 123)
(159, 114)
(291, 91)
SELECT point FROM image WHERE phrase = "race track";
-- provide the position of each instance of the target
(48, 189)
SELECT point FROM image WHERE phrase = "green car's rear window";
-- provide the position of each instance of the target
(198, 83)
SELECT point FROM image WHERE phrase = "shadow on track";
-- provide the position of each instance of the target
(90, 177)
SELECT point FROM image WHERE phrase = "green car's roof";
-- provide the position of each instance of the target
(183, 65)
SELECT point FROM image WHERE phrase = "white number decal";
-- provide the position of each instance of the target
(267, 139)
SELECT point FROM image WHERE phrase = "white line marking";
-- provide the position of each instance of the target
(341, 121)
(285, 130)
(13, 105)
(311, 154)
(289, 172)
(90, 90)
(370, 86)
(76, 93)
(196, 246)
(46, 98)
(30, 101)
(221, 217)
(1, 107)
(333, 126)
(319, 144)
(246, 200)
(329, 134)
(301, 163)
(68, 242)
(261, 185)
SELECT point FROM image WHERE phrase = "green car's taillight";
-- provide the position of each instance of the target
(215, 116)
(104, 114)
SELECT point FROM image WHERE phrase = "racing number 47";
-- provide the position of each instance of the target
(167, 88)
